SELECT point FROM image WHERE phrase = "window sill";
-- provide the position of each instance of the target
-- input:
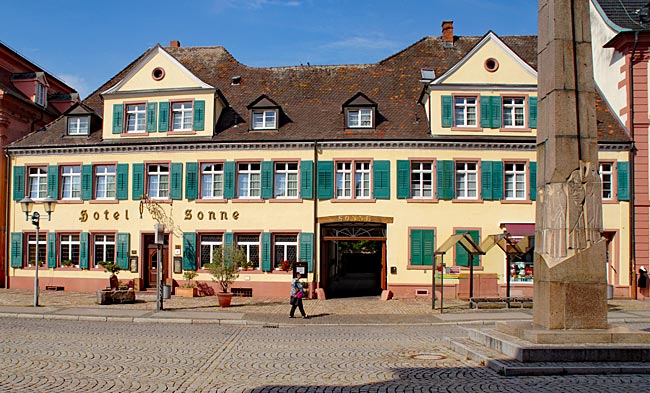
(419, 267)
(467, 200)
(187, 132)
(103, 201)
(248, 200)
(516, 201)
(69, 201)
(472, 129)
(286, 200)
(422, 200)
(611, 201)
(209, 200)
(134, 134)
(515, 129)
(353, 200)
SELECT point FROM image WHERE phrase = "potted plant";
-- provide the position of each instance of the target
(188, 289)
(225, 270)
(66, 263)
(114, 269)
(116, 293)
(285, 266)
(246, 265)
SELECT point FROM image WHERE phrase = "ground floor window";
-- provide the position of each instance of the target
(209, 243)
(285, 249)
(31, 249)
(104, 248)
(251, 246)
(69, 250)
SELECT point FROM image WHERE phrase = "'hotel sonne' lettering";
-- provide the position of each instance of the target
(211, 215)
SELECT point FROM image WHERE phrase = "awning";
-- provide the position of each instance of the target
(518, 229)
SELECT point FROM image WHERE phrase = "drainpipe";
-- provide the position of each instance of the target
(316, 245)
(632, 153)
(5, 251)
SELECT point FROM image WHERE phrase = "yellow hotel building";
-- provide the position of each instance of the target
(362, 171)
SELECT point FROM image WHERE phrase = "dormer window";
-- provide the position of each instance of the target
(265, 114)
(265, 119)
(135, 117)
(78, 125)
(40, 96)
(360, 112)
(182, 116)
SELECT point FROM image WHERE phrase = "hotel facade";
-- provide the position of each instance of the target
(361, 171)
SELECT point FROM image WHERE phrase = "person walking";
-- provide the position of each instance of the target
(297, 293)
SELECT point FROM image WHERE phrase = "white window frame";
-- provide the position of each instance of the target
(353, 179)
(362, 182)
(265, 119)
(344, 180)
(286, 180)
(105, 182)
(78, 125)
(466, 112)
(184, 112)
(40, 95)
(71, 240)
(284, 245)
(70, 182)
(248, 245)
(514, 112)
(607, 180)
(38, 183)
(359, 118)
(31, 247)
(103, 241)
(211, 244)
(211, 180)
(466, 180)
(249, 180)
(515, 176)
(158, 181)
(136, 116)
(422, 177)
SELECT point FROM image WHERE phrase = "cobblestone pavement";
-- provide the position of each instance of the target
(72, 356)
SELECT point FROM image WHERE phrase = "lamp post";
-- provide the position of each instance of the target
(26, 205)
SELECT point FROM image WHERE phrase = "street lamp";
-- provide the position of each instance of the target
(26, 205)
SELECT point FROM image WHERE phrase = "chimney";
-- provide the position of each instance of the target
(175, 44)
(448, 33)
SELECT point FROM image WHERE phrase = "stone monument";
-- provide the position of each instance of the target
(570, 263)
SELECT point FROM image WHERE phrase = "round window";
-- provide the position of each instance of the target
(158, 73)
(491, 64)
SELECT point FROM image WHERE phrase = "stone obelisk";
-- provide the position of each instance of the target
(570, 262)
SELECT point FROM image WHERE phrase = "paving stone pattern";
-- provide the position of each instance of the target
(75, 356)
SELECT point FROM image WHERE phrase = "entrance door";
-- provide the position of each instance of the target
(152, 265)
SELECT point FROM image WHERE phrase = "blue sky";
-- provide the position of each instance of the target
(86, 43)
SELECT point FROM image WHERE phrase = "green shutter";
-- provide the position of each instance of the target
(428, 247)
(447, 111)
(623, 173)
(416, 247)
(486, 180)
(19, 183)
(228, 238)
(495, 112)
(381, 179)
(118, 118)
(122, 250)
(497, 180)
(445, 179)
(152, 118)
(176, 186)
(87, 182)
(16, 249)
(267, 179)
(266, 251)
(307, 249)
(462, 254)
(163, 117)
(403, 179)
(325, 179)
(199, 115)
(306, 179)
(486, 107)
(191, 180)
(229, 173)
(532, 185)
(51, 250)
(83, 250)
(189, 250)
(137, 183)
(122, 182)
(53, 181)
(532, 112)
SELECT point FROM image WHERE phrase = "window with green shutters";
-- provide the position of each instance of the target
(118, 118)
(325, 179)
(492, 180)
(462, 254)
(306, 179)
(176, 186)
(307, 249)
(445, 175)
(623, 186)
(189, 250)
(163, 116)
(123, 244)
(422, 243)
(19, 183)
(191, 180)
(137, 185)
(381, 179)
(16, 249)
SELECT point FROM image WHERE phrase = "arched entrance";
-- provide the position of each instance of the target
(353, 258)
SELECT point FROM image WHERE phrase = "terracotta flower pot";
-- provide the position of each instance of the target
(224, 298)
(185, 292)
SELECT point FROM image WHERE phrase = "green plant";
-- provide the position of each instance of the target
(285, 265)
(225, 266)
(189, 275)
(110, 267)
(247, 265)
(66, 262)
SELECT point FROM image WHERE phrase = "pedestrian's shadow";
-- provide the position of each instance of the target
(312, 316)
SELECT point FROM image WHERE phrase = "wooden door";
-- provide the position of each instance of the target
(152, 265)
